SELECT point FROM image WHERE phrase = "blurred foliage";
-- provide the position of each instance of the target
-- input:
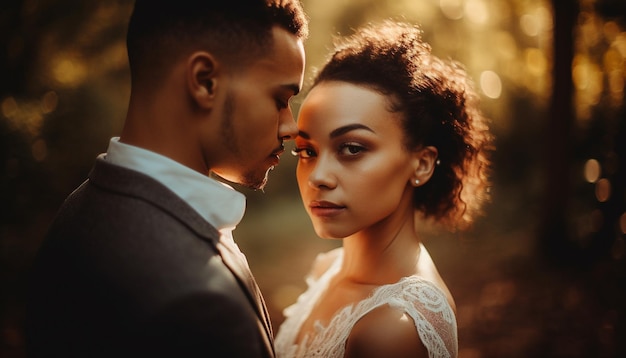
(523, 286)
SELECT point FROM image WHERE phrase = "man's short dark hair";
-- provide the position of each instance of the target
(235, 31)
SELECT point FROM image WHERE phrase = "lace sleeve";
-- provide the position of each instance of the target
(434, 319)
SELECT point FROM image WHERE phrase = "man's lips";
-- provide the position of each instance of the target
(276, 155)
(325, 208)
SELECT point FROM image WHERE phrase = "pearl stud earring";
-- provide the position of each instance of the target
(417, 181)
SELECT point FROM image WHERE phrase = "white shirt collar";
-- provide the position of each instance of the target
(220, 204)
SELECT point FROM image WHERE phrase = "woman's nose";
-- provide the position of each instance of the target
(322, 175)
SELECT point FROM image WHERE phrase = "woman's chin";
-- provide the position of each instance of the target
(328, 235)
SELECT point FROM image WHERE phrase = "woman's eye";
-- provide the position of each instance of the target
(303, 152)
(351, 149)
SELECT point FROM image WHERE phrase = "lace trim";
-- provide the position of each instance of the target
(422, 300)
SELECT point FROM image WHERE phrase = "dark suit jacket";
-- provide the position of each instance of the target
(129, 269)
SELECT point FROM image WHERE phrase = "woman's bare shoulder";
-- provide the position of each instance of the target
(399, 338)
(428, 270)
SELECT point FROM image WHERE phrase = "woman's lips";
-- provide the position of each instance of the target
(325, 208)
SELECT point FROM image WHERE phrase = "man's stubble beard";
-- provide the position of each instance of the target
(249, 178)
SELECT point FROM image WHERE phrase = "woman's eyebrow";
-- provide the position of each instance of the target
(347, 128)
(304, 135)
(339, 131)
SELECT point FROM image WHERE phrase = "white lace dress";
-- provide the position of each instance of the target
(422, 300)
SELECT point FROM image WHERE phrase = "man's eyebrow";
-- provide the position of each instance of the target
(339, 131)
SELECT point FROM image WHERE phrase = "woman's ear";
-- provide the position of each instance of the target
(202, 79)
(424, 162)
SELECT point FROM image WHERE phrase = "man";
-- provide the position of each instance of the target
(140, 260)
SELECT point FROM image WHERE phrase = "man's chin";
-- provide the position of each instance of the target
(255, 181)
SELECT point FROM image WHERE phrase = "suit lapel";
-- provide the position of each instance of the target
(239, 267)
(137, 184)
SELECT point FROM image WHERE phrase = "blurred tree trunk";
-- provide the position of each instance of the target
(554, 238)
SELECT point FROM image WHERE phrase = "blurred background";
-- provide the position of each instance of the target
(542, 274)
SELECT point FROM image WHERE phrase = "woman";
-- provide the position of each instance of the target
(387, 131)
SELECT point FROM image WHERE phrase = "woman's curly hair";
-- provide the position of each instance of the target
(440, 109)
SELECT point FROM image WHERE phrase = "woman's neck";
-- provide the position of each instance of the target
(383, 253)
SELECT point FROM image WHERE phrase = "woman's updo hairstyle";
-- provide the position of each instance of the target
(439, 107)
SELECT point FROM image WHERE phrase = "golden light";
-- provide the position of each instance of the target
(536, 61)
(490, 84)
(425, 10)
(25, 117)
(620, 43)
(68, 71)
(452, 9)
(535, 76)
(622, 223)
(592, 170)
(476, 11)
(530, 25)
(32, 120)
(544, 15)
(588, 80)
(9, 107)
(611, 30)
(613, 60)
(590, 28)
(536, 22)
(505, 45)
(580, 75)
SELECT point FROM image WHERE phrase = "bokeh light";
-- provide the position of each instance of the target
(530, 25)
(476, 11)
(536, 62)
(491, 84)
(592, 170)
(452, 9)
(603, 190)
(68, 70)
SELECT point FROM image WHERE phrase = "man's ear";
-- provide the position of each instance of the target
(202, 69)
(424, 163)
